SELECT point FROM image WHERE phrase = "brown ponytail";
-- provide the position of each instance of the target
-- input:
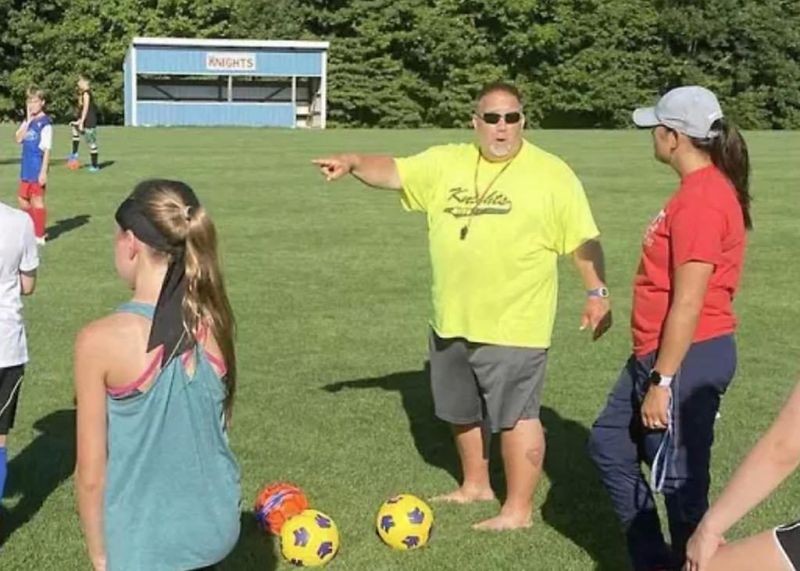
(729, 153)
(206, 301)
(206, 298)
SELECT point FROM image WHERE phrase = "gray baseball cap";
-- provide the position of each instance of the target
(690, 110)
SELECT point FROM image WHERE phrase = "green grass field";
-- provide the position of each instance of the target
(330, 286)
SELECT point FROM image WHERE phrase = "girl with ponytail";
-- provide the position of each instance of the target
(156, 481)
(661, 411)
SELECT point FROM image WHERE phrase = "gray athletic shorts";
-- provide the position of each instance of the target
(476, 382)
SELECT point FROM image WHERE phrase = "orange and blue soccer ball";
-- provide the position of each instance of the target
(278, 502)
(309, 539)
(404, 522)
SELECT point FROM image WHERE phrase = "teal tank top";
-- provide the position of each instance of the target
(172, 493)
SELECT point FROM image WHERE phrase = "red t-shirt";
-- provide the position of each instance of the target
(702, 222)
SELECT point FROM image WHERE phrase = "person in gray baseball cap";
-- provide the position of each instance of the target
(662, 409)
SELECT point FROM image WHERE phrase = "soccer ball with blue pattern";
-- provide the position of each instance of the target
(404, 522)
(309, 539)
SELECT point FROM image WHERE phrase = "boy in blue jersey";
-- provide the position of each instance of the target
(36, 137)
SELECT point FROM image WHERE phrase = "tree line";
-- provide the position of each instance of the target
(419, 63)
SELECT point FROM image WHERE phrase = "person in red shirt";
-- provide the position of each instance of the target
(663, 407)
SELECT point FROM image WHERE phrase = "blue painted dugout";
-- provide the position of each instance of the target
(181, 81)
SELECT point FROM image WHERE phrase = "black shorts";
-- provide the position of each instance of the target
(788, 540)
(10, 384)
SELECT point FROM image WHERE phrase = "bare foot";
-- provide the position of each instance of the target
(504, 522)
(466, 496)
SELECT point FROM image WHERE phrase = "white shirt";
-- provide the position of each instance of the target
(18, 253)
(46, 138)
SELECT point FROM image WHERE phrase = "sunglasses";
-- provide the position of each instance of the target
(494, 118)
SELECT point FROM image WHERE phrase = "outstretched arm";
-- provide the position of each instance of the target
(374, 170)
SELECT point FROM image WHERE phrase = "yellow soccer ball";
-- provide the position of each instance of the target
(404, 522)
(309, 539)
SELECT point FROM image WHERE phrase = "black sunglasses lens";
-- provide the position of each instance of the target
(494, 118)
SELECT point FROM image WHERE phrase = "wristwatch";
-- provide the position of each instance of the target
(659, 380)
(601, 291)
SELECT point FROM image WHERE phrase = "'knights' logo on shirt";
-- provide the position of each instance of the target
(462, 202)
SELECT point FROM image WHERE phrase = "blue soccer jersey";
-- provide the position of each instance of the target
(37, 140)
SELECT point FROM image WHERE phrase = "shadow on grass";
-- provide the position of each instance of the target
(66, 225)
(100, 166)
(256, 550)
(4, 162)
(432, 437)
(39, 469)
(576, 505)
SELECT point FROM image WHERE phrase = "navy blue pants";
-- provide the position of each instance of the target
(618, 445)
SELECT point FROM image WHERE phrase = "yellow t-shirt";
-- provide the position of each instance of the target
(499, 283)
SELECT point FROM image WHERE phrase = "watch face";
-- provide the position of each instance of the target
(655, 377)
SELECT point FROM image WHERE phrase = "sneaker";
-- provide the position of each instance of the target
(94, 169)
(40, 241)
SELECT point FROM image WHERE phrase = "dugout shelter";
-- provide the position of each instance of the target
(184, 81)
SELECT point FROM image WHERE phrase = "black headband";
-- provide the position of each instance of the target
(132, 216)
(168, 328)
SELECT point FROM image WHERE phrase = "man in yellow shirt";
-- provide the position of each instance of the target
(499, 215)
